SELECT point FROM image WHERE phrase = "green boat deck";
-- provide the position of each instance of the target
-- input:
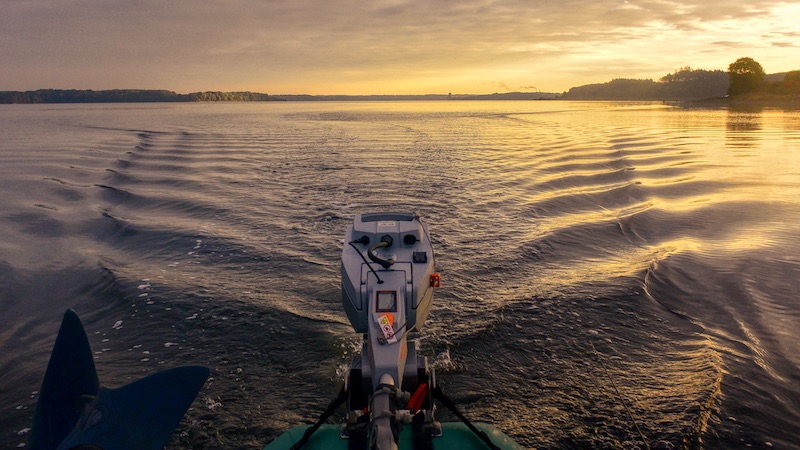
(454, 436)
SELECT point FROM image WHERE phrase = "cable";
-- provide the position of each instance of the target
(386, 241)
(437, 393)
(621, 399)
(360, 241)
(335, 403)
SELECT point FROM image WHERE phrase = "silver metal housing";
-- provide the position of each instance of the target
(358, 281)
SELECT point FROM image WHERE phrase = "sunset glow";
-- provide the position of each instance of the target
(382, 47)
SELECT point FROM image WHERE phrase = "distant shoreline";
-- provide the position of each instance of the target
(73, 96)
(747, 102)
(55, 96)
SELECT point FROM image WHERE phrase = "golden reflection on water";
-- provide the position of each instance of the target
(725, 181)
(588, 271)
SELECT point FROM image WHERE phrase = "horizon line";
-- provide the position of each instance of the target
(281, 94)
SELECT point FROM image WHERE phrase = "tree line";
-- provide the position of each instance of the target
(127, 95)
(744, 76)
(748, 77)
(684, 84)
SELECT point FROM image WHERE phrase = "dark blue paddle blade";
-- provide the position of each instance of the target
(70, 375)
(141, 415)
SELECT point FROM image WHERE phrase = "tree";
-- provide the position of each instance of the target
(791, 82)
(682, 74)
(746, 75)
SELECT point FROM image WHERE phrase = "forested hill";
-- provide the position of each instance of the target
(132, 95)
(685, 84)
(126, 95)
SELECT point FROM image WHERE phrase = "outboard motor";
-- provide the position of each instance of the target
(388, 280)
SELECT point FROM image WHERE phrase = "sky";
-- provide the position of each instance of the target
(382, 46)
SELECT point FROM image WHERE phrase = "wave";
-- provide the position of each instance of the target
(581, 246)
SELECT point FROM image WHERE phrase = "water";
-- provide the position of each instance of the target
(604, 265)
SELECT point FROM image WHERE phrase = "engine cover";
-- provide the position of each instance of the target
(413, 266)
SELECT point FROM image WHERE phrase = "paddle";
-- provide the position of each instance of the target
(74, 410)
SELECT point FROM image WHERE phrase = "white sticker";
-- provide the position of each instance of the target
(386, 328)
(386, 223)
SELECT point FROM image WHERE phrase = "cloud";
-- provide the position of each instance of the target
(193, 45)
(782, 34)
(729, 44)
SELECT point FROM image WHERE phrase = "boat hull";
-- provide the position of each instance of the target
(454, 436)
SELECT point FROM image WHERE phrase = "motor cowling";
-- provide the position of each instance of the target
(388, 280)
(412, 259)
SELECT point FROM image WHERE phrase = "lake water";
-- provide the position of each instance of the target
(604, 265)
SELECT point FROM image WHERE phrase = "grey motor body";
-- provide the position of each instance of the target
(395, 285)
(388, 280)
(413, 255)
